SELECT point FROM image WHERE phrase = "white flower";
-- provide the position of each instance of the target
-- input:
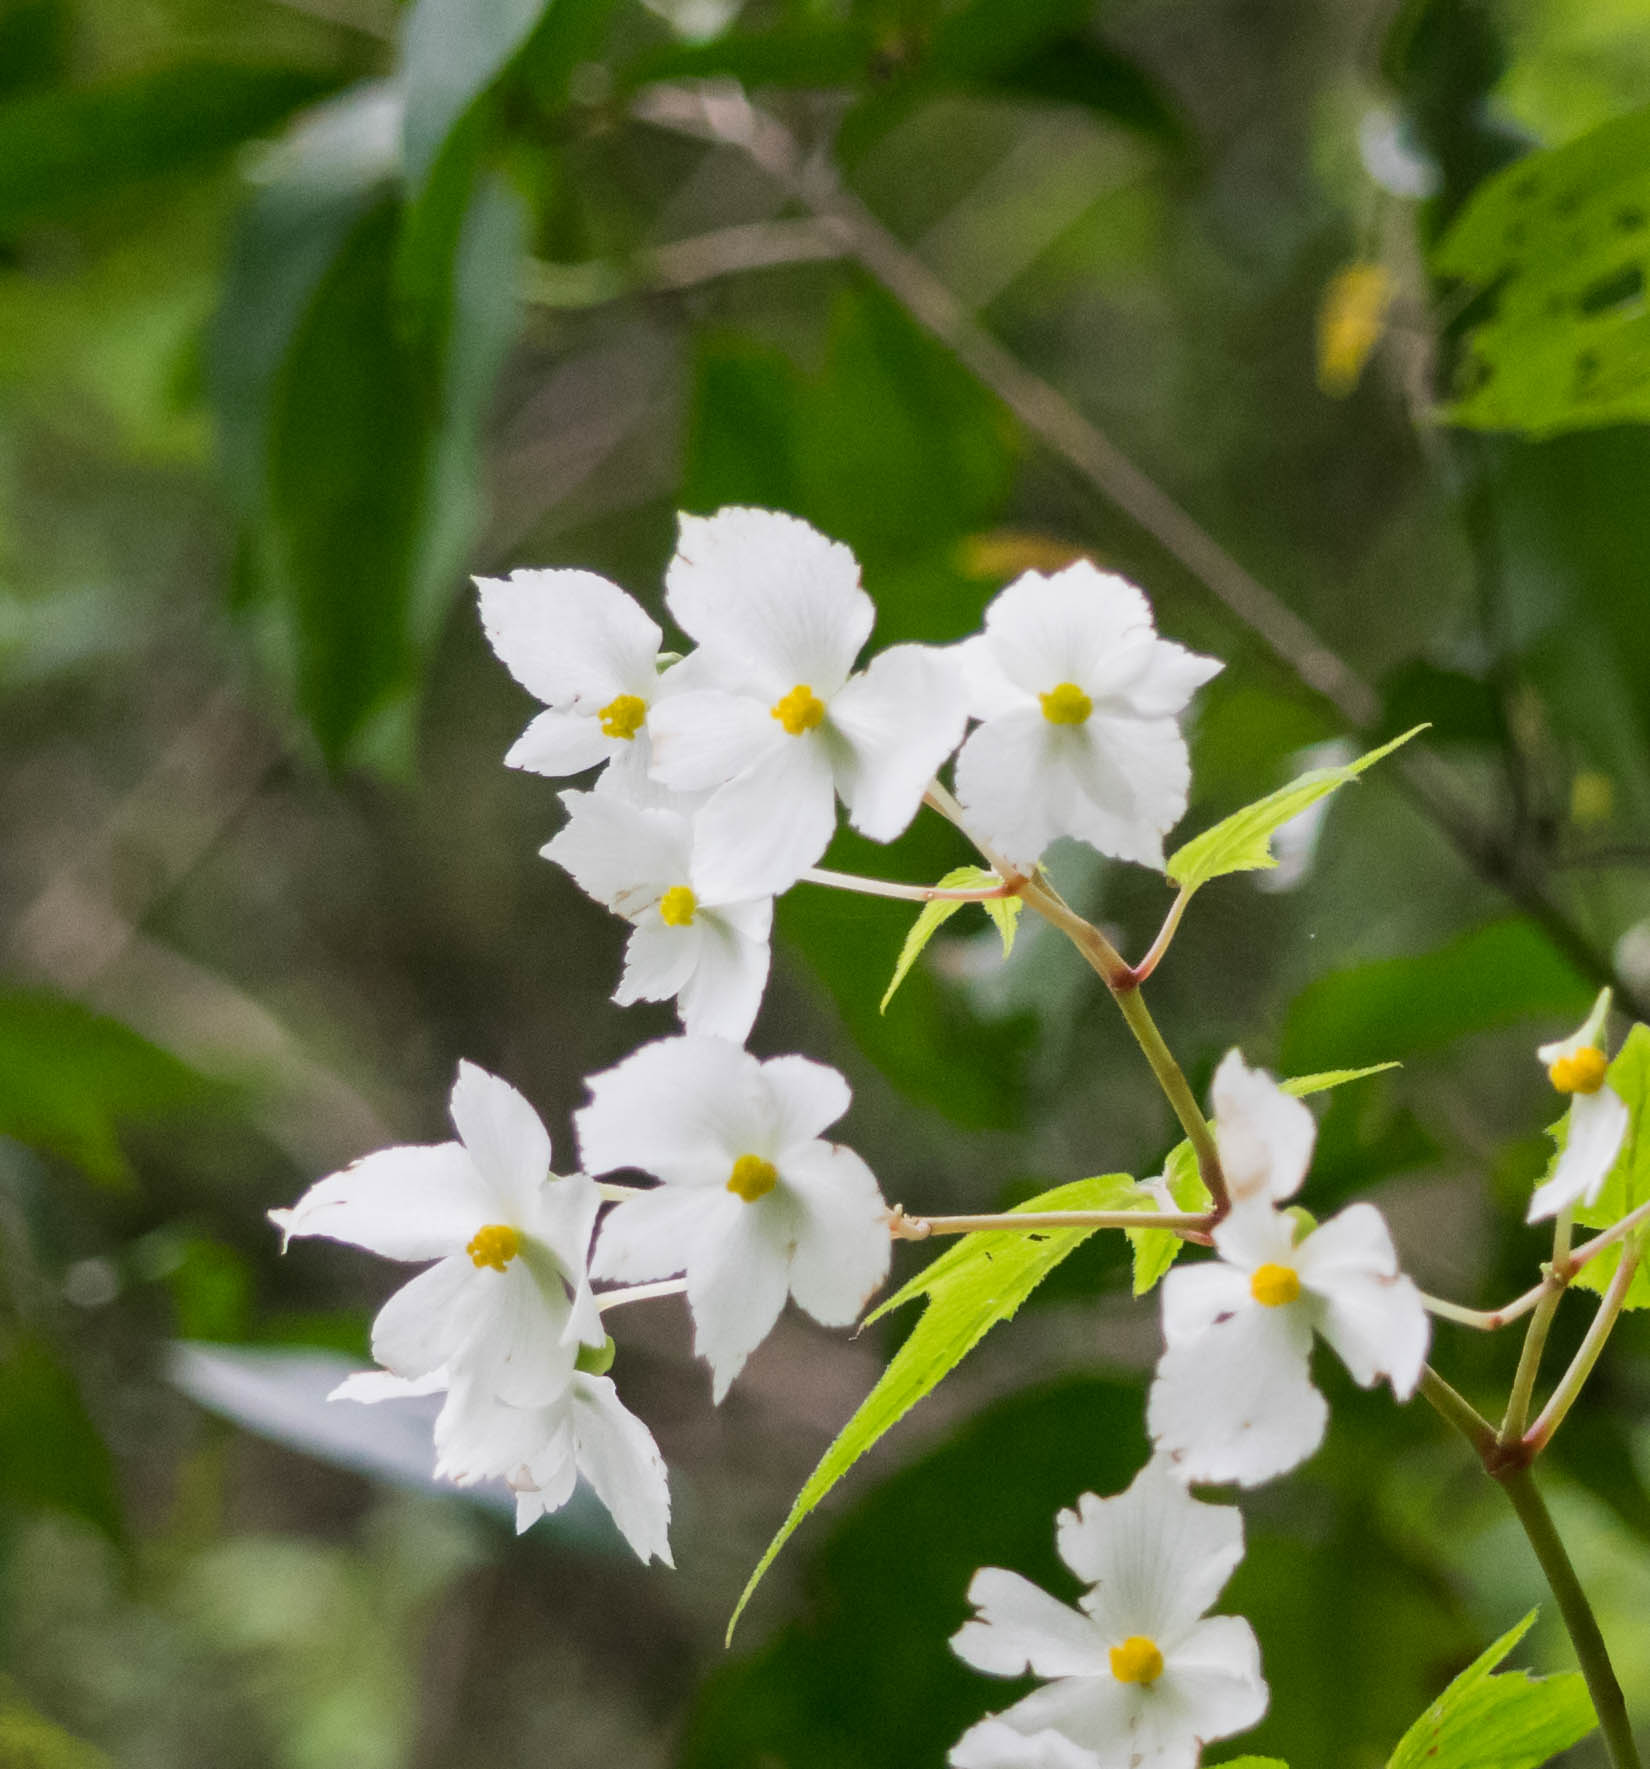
(1233, 1397)
(542, 1450)
(753, 1205)
(1141, 1678)
(1079, 699)
(1264, 1135)
(590, 653)
(1597, 1123)
(501, 1312)
(642, 862)
(781, 726)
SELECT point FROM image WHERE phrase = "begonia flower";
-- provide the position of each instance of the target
(641, 860)
(1079, 701)
(503, 1308)
(754, 1204)
(1596, 1125)
(1140, 1677)
(778, 725)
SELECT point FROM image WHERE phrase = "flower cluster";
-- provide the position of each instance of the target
(719, 775)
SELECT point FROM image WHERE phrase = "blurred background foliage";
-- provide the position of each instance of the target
(310, 307)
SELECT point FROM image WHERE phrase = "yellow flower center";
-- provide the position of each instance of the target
(1274, 1285)
(1582, 1071)
(623, 717)
(752, 1178)
(677, 905)
(1137, 1660)
(800, 710)
(1066, 705)
(495, 1245)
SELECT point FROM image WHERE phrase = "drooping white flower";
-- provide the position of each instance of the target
(1233, 1397)
(780, 725)
(1597, 1123)
(1080, 701)
(1264, 1134)
(641, 860)
(591, 654)
(501, 1312)
(1141, 1677)
(754, 1204)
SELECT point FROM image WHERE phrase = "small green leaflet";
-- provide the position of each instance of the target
(1156, 1249)
(1628, 1184)
(972, 1286)
(1243, 841)
(1514, 1721)
(1004, 911)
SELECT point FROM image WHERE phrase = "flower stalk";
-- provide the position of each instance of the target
(1190, 1226)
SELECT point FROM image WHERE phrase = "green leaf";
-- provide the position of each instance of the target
(1251, 1763)
(65, 149)
(970, 1288)
(1243, 841)
(1004, 912)
(1559, 244)
(1628, 1183)
(51, 1454)
(453, 52)
(70, 1080)
(1156, 1249)
(1513, 1721)
(28, 1740)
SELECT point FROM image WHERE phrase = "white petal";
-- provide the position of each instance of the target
(722, 995)
(1597, 1129)
(990, 691)
(1007, 783)
(1265, 1135)
(1133, 776)
(559, 1221)
(1214, 1677)
(624, 855)
(1237, 1403)
(1096, 1714)
(1370, 1312)
(1256, 1233)
(841, 1246)
(1066, 628)
(994, 1744)
(704, 739)
(900, 719)
(773, 592)
(763, 830)
(505, 1137)
(617, 1455)
(368, 1387)
(430, 1320)
(1156, 1556)
(684, 1109)
(478, 1437)
(1196, 1296)
(803, 1099)
(660, 961)
(1171, 677)
(569, 637)
(406, 1203)
(1020, 1628)
(737, 1278)
(654, 1235)
(558, 743)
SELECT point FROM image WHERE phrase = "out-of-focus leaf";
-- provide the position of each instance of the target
(1494, 976)
(969, 1289)
(1156, 1249)
(1512, 1721)
(70, 1079)
(452, 53)
(1559, 243)
(1243, 841)
(1457, 708)
(28, 1740)
(1628, 1183)
(64, 149)
(50, 1451)
(34, 44)
(1251, 1763)
(1004, 913)
(804, 53)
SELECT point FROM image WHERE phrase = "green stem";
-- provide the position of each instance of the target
(1582, 1625)
(1574, 1379)
(1458, 1411)
(1553, 1280)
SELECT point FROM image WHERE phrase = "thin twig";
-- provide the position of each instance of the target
(919, 1228)
(1574, 1379)
(1553, 1284)
(640, 1293)
(908, 893)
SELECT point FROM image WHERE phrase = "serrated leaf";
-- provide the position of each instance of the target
(1243, 841)
(1004, 912)
(1156, 1249)
(970, 1288)
(1511, 1721)
(1628, 1183)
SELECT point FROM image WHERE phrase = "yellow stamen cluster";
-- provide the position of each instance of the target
(800, 710)
(1137, 1660)
(1582, 1071)
(752, 1178)
(495, 1245)
(677, 905)
(623, 717)
(1274, 1285)
(1066, 704)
